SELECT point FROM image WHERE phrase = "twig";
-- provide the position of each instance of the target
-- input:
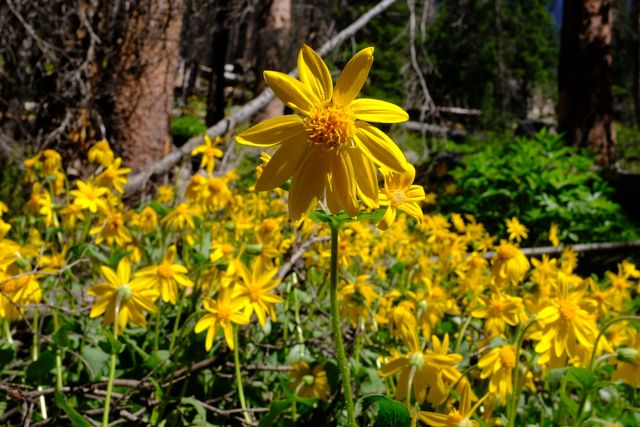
(138, 180)
(579, 247)
(286, 267)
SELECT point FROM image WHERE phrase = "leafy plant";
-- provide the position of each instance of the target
(539, 181)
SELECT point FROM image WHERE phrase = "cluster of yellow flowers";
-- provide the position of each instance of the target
(430, 290)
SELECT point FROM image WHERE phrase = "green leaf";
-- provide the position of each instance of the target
(7, 354)
(582, 377)
(96, 361)
(391, 413)
(200, 420)
(39, 371)
(76, 419)
(276, 408)
(157, 358)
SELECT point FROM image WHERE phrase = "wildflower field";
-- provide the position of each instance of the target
(319, 287)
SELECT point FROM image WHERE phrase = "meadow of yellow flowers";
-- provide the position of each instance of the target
(217, 303)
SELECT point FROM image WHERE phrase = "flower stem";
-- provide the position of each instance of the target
(112, 374)
(236, 362)
(176, 325)
(335, 327)
(512, 409)
(56, 328)
(35, 354)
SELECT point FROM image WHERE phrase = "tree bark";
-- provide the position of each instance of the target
(585, 105)
(147, 71)
(636, 80)
(215, 97)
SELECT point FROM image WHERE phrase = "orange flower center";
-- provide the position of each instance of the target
(165, 271)
(397, 196)
(508, 357)
(568, 310)
(329, 127)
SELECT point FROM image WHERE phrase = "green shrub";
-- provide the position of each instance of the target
(187, 126)
(540, 181)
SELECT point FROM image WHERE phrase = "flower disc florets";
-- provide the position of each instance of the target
(329, 126)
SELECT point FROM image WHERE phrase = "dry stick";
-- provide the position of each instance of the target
(580, 247)
(138, 180)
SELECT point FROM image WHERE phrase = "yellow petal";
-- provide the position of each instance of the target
(379, 148)
(374, 110)
(124, 271)
(353, 77)
(366, 178)
(228, 335)
(205, 322)
(273, 131)
(307, 184)
(387, 219)
(341, 194)
(394, 366)
(412, 209)
(109, 275)
(283, 165)
(314, 73)
(291, 91)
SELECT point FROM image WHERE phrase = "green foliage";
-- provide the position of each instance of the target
(187, 126)
(628, 148)
(539, 181)
(389, 412)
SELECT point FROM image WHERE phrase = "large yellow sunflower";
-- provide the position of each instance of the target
(327, 148)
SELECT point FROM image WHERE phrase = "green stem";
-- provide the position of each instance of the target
(112, 374)
(461, 333)
(515, 395)
(156, 339)
(335, 327)
(176, 325)
(7, 330)
(236, 362)
(56, 327)
(35, 354)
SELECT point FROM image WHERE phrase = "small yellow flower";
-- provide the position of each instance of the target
(71, 215)
(497, 365)
(90, 196)
(400, 193)
(309, 382)
(166, 276)
(257, 287)
(553, 234)
(509, 265)
(101, 153)
(327, 149)
(628, 362)
(460, 417)
(165, 194)
(122, 298)
(52, 162)
(209, 152)
(516, 230)
(181, 217)
(16, 292)
(112, 229)
(113, 177)
(224, 311)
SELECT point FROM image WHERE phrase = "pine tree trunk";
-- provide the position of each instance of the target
(147, 71)
(215, 97)
(636, 80)
(584, 77)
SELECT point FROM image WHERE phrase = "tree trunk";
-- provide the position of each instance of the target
(147, 71)
(636, 80)
(584, 77)
(215, 97)
(274, 50)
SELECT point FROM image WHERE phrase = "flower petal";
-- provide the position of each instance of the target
(273, 131)
(341, 193)
(378, 147)
(366, 178)
(314, 73)
(308, 184)
(387, 219)
(375, 110)
(283, 165)
(353, 77)
(291, 91)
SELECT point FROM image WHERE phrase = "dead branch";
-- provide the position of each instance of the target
(579, 247)
(435, 129)
(240, 114)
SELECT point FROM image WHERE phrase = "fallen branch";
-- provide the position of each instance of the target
(138, 180)
(426, 127)
(579, 247)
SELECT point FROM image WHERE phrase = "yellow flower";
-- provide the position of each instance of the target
(509, 265)
(553, 234)
(181, 217)
(500, 310)
(399, 193)
(356, 300)
(165, 194)
(568, 320)
(308, 382)
(166, 276)
(223, 311)
(3, 208)
(429, 370)
(516, 230)
(147, 220)
(32, 167)
(209, 151)
(257, 287)
(4, 228)
(628, 362)
(113, 177)
(456, 417)
(71, 215)
(17, 292)
(328, 148)
(497, 365)
(89, 196)
(122, 298)
(101, 153)
(47, 210)
(112, 229)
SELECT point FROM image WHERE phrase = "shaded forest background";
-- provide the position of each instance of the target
(72, 73)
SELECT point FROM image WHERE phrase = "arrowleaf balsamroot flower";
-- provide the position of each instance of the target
(257, 287)
(166, 276)
(223, 311)
(400, 193)
(122, 298)
(327, 148)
